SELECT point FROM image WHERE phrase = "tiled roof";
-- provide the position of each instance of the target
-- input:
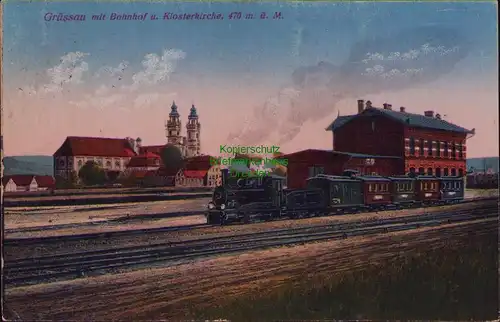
(409, 119)
(148, 159)
(45, 181)
(201, 162)
(199, 174)
(93, 146)
(151, 148)
(19, 179)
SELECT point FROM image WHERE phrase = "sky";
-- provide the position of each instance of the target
(253, 81)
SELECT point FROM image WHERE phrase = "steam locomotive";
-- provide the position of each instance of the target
(266, 198)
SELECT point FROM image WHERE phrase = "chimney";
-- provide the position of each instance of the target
(361, 106)
(389, 107)
(429, 113)
(402, 109)
(438, 116)
(386, 106)
(368, 104)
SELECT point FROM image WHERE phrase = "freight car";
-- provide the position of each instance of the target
(244, 199)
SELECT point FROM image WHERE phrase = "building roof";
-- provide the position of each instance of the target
(201, 162)
(197, 174)
(408, 119)
(19, 179)
(95, 146)
(354, 155)
(45, 181)
(148, 159)
(151, 148)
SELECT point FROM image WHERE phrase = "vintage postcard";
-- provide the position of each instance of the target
(249, 161)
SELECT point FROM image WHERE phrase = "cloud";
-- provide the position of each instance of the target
(425, 49)
(115, 72)
(70, 70)
(157, 68)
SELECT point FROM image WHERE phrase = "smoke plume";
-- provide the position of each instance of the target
(390, 63)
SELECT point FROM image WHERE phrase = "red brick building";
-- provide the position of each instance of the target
(308, 163)
(425, 143)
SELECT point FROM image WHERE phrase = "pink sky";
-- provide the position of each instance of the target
(38, 126)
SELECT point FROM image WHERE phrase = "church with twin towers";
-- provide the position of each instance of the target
(190, 144)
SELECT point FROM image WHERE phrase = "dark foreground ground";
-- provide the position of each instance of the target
(457, 281)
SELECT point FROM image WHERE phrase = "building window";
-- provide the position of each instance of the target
(108, 164)
(453, 151)
(446, 154)
(412, 146)
(438, 149)
(429, 148)
(422, 147)
(117, 164)
(460, 172)
(446, 172)
(438, 172)
(421, 171)
(412, 170)
(429, 171)
(460, 151)
(453, 172)
(80, 163)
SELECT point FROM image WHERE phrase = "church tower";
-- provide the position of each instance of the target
(193, 134)
(173, 128)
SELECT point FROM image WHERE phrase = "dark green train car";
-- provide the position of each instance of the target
(451, 189)
(341, 192)
(403, 190)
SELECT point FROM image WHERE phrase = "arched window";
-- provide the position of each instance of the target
(429, 171)
(412, 170)
(421, 171)
(453, 172)
(446, 172)
(460, 172)
(412, 146)
(438, 172)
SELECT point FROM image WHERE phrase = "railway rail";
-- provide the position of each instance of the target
(68, 266)
(132, 232)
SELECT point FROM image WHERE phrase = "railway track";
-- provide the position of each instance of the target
(114, 234)
(68, 266)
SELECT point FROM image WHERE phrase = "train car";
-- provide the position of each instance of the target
(304, 203)
(451, 189)
(402, 190)
(340, 192)
(377, 194)
(427, 190)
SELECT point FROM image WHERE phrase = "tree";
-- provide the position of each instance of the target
(92, 174)
(67, 183)
(172, 158)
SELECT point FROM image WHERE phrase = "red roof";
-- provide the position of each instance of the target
(45, 181)
(93, 146)
(200, 174)
(151, 148)
(201, 162)
(146, 160)
(19, 179)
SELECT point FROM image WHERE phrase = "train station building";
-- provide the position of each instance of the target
(386, 142)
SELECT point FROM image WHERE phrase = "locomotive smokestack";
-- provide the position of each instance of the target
(361, 106)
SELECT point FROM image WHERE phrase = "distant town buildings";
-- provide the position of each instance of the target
(22, 183)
